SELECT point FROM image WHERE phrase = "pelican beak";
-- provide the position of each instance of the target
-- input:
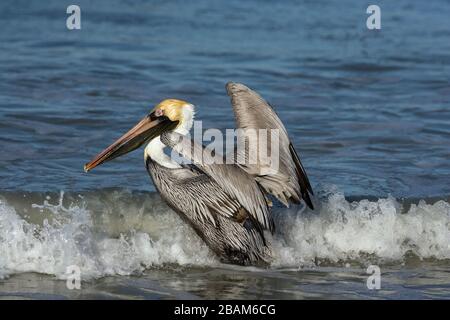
(148, 128)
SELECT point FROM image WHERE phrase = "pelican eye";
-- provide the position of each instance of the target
(156, 114)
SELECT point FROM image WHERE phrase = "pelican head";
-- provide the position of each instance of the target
(169, 114)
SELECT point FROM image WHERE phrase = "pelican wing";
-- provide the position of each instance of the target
(289, 182)
(209, 198)
(234, 181)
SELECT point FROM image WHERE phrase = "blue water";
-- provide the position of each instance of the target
(367, 110)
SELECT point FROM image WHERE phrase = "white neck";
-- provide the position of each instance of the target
(155, 148)
(187, 120)
(155, 151)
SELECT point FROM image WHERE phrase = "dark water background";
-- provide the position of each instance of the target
(368, 111)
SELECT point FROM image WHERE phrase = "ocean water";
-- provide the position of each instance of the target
(368, 112)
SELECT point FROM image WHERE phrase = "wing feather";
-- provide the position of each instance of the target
(289, 182)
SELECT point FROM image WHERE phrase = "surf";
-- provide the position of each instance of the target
(121, 232)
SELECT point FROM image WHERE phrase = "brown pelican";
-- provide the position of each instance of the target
(226, 204)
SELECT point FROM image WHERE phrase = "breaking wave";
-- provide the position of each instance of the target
(118, 232)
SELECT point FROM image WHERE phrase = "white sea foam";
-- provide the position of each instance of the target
(362, 231)
(72, 239)
(127, 239)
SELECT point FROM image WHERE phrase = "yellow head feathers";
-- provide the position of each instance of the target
(172, 109)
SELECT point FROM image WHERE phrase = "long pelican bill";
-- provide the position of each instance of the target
(148, 128)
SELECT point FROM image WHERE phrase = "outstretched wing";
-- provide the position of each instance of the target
(234, 181)
(289, 182)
